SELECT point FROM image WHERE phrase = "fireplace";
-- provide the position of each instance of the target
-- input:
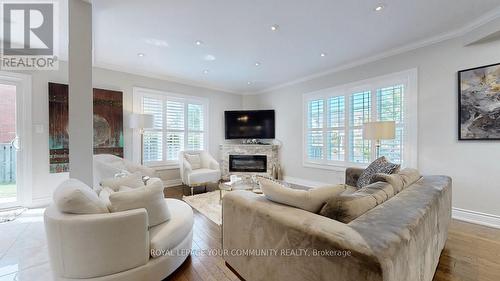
(248, 163)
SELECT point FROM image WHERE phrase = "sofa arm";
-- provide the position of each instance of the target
(308, 246)
(88, 246)
(352, 175)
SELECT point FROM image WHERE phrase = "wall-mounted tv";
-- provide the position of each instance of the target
(249, 124)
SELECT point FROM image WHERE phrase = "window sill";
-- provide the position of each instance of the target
(163, 166)
(333, 167)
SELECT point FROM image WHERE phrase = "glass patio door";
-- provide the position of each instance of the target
(9, 145)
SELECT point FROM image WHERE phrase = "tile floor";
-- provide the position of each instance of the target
(23, 248)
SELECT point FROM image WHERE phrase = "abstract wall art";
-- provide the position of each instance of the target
(479, 103)
(108, 125)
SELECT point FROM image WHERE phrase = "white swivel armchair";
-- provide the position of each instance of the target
(204, 171)
(117, 246)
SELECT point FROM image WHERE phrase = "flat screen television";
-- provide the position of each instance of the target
(249, 124)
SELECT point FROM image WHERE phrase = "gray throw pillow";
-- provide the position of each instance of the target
(379, 166)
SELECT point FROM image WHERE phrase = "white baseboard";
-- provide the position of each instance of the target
(40, 202)
(476, 217)
(170, 183)
(304, 182)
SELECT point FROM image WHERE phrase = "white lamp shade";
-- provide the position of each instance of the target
(140, 121)
(383, 130)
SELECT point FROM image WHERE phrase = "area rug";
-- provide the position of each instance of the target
(10, 214)
(208, 204)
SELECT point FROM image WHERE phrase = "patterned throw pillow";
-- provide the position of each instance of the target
(380, 165)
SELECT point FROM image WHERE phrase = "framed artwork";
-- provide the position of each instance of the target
(479, 103)
(108, 125)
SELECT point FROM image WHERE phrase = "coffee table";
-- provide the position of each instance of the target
(243, 184)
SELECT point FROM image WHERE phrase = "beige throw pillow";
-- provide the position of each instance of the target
(75, 197)
(349, 206)
(401, 180)
(149, 197)
(310, 200)
(132, 180)
(194, 160)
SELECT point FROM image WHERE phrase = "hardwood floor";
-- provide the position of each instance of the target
(472, 252)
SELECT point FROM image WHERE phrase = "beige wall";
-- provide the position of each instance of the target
(44, 182)
(472, 165)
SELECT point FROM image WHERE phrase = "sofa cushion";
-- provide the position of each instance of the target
(194, 160)
(203, 176)
(150, 197)
(401, 180)
(132, 180)
(348, 206)
(167, 235)
(310, 200)
(74, 197)
(380, 165)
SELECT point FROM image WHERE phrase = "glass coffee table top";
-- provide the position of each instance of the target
(242, 184)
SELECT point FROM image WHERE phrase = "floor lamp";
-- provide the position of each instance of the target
(141, 122)
(382, 130)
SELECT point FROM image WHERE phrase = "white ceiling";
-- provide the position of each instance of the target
(237, 33)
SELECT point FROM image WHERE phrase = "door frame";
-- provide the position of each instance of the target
(24, 132)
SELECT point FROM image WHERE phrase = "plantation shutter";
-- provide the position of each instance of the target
(195, 135)
(390, 108)
(335, 137)
(174, 128)
(360, 113)
(153, 137)
(315, 120)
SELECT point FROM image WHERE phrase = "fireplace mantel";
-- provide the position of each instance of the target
(270, 150)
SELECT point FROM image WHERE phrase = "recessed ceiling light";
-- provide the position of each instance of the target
(249, 83)
(209, 57)
(322, 55)
(140, 55)
(274, 27)
(198, 43)
(379, 7)
(206, 71)
(257, 63)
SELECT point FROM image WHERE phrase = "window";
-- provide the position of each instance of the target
(179, 124)
(333, 128)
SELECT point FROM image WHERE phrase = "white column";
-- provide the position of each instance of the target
(80, 91)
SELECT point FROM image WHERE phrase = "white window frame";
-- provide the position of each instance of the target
(139, 93)
(410, 141)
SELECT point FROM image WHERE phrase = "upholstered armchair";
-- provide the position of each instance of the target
(107, 166)
(116, 246)
(198, 168)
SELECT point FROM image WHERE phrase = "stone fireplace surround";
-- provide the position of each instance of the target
(269, 150)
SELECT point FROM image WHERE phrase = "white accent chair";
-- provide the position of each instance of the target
(118, 246)
(209, 172)
(108, 165)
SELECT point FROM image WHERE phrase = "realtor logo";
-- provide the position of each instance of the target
(28, 36)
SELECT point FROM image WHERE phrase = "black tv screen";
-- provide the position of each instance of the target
(249, 124)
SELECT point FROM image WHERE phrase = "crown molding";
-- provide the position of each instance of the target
(490, 16)
(168, 78)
